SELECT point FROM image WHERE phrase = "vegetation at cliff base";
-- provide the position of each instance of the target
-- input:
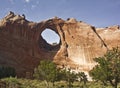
(108, 68)
(7, 72)
(48, 72)
(27, 83)
(106, 74)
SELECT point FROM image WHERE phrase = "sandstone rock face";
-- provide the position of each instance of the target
(22, 46)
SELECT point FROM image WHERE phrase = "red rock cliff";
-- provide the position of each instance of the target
(22, 46)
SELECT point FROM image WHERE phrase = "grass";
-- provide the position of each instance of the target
(27, 83)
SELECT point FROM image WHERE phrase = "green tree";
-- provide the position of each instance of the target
(108, 68)
(68, 75)
(82, 78)
(46, 71)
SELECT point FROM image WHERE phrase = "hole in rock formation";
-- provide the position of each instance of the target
(51, 39)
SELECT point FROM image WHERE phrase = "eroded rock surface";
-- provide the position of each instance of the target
(22, 46)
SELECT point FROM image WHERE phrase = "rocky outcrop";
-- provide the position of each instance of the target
(22, 46)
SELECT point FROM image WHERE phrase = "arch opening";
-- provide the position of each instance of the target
(51, 39)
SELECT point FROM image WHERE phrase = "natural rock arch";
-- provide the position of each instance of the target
(22, 47)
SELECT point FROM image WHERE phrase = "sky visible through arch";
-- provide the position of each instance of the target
(99, 13)
(50, 36)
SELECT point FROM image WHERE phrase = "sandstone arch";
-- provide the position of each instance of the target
(22, 47)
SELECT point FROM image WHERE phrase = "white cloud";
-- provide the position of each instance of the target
(27, 1)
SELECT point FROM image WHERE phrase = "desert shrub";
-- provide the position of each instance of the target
(108, 68)
(46, 71)
(7, 72)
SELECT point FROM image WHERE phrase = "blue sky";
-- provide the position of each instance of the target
(99, 13)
